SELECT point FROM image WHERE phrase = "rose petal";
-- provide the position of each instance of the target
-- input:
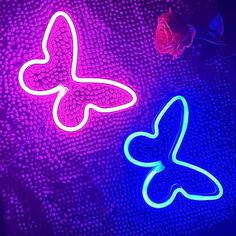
(172, 35)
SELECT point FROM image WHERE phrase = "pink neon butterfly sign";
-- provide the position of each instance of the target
(61, 90)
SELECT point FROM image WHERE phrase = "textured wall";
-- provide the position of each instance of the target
(58, 183)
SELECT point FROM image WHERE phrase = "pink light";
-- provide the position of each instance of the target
(62, 90)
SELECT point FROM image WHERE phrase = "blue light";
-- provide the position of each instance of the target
(157, 166)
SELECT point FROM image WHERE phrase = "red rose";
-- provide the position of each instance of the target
(173, 35)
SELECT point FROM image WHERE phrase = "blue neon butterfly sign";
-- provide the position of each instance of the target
(157, 166)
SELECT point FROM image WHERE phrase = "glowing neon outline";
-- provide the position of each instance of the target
(157, 166)
(60, 89)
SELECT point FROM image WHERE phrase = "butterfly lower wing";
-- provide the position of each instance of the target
(73, 108)
(202, 197)
(183, 179)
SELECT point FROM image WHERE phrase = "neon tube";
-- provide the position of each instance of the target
(157, 166)
(62, 90)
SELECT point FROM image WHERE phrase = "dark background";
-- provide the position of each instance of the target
(227, 9)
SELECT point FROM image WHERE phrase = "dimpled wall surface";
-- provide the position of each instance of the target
(57, 183)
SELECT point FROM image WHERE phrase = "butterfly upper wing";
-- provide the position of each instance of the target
(156, 145)
(45, 74)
